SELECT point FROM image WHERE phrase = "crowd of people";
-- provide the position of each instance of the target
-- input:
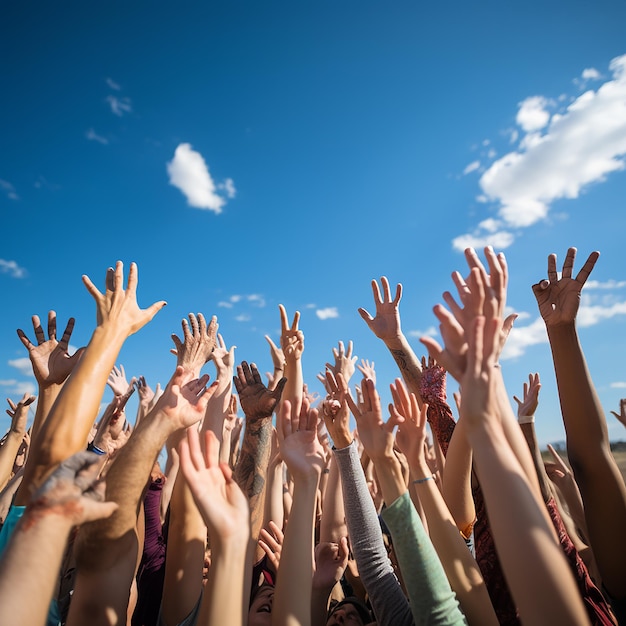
(288, 516)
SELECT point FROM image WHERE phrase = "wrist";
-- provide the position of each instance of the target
(341, 440)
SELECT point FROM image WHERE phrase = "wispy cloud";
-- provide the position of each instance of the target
(189, 172)
(224, 304)
(112, 84)
(228, 186)
(9, 189)
(431, 331)
(327, 313)
(119, 106)
(93, 136)
(472, 167)
(609, 284)
(17, 388)
(23, 365)
(618, 385)
(558, 155)
(256, 299)
(243, 318)
(593, 310)
(12, 268)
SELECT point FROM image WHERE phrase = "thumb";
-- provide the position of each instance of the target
(278, 391)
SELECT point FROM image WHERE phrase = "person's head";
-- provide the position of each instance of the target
(260, 613)
(349, 612)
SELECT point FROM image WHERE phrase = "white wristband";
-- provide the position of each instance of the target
(526, 419)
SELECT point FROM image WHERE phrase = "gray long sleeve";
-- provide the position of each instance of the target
(390, 605)
(432, 600)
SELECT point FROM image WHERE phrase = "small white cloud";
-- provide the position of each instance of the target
(431, 331)
(229, 187)
(591, 73)
(310, 306)
(243, 318)
(112, 84)
(514, 135)
(189, 172)
(532, 114)
(9, 189)
(93, 136)
(327, 313)
(226, 305)
(486, 142)
(236, 298)
(472, 167)
(17, 388)
(590, 315)
(119, 106)
(609, 284)
(24, 366)
(490, 225)
(521, 338)
(12, 268)
(257, 299)
(618, 385)
(479, 239)
(492, 154)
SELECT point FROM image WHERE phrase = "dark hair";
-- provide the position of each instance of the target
(358, 604)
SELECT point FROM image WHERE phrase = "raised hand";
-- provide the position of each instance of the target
(278, 358)
(559, 298)
(147, 396)
(184, 401)
(375, 434)
(367, 369)
(386, 324)
(331, 560)
(19, 412)
(300, 449)
(257, 401)
(344, 361)
(272, 544)
(230, 419)
(118, 306)
(336, 411)
(117, 381)
(224, 359)
(621, 416)
(199, 341)
(411, 434)
(291, 339)
(222, 504)
(50, 359)
(113, 431)
(74, 491)
(528, 405)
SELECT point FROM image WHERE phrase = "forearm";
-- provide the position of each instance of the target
(46, 398)
(293, 390)
(217, 407)
(274, 497)
(539, 578)
(457, 481)
(333, 523)
(459, 565)
(407, 362)
(319, 606)
(29, 567)
(528, 430)
(292, 600)
(225, 598)
(8, 452)
(251, 468)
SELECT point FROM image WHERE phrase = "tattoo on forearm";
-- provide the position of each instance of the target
(400, 358)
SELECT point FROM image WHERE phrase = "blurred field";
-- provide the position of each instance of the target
(619, 454)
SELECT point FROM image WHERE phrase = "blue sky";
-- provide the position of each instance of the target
(251, 154)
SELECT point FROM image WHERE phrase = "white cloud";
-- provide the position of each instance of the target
(618, 385)
(93, 136)
(257, 299)
(12, 268)
(521, 337)
(578, 146)
(479, 239)
(590, 315)
(327, 313)
(10, 189)
(24, 366)
(236, 298)
(226, 305)
(609, 284)
(591, 73)
(473, 166)
(17, 388)
(229, 187)
(112, 84)
(189, 172)
(243, 318)
(431, 331)
(310, 306)
(119, 106)
(532, 114)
